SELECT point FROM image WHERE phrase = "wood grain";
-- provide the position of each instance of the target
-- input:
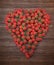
(9, 53)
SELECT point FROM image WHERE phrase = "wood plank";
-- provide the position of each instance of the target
(10, 42)
(4, 11)
(9, 53)
(26, 1)
(24, 63)
(43, 53)
(26, 5)
(5, 34)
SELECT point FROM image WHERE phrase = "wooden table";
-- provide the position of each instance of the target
(9, 53)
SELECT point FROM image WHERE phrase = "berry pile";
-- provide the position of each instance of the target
(27, 27)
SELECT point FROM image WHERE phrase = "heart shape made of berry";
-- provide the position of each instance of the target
(27, 27)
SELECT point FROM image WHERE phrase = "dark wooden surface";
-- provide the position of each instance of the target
(9, 53)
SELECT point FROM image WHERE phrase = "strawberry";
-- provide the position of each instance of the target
(27, 27)
(33, 47)
(23, 47)
(27, 55)
(13, 30)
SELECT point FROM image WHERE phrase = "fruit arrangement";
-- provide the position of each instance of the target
(27, 27)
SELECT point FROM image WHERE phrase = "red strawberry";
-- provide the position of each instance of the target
(27, 55)
(33, 47)
(27, 27)
(39, 39)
